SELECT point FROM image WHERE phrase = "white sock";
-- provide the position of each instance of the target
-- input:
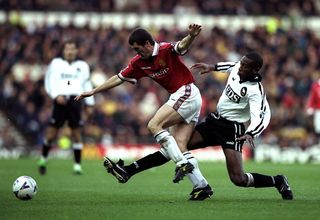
(164, 138)
(77, 146)
(196, 177)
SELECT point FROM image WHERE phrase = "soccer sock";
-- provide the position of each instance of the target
(77, 149)
(164, 138)
(196, 177)
(45, 149)
(147, 162)
(259, 180)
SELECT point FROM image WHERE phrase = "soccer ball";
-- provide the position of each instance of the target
(24, 187)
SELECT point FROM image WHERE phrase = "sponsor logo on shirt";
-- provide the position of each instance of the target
(232, 95)
(162, 63)
(159, 74)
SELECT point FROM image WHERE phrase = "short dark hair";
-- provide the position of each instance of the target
(140, 36)
(70, 41)
(256, 58)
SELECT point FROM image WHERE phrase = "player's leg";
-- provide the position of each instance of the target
(182, 133)
(75, 123)
(166, 117)
(57, 120)
(124, 173)
(239, 178)
(50, 136)
(77, 147)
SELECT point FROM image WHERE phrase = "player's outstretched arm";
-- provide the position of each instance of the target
(109, 84)
(194, 30)
(203, 68)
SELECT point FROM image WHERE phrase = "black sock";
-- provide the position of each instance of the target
(147, 162)
(261, 180)
(77, 155)
(45, 150)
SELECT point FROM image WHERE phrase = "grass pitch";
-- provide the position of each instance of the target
(152, 195)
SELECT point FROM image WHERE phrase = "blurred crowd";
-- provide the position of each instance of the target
(230, 7)
(121, 115)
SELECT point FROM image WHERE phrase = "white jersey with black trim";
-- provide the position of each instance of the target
(68, 79)
(243, 101)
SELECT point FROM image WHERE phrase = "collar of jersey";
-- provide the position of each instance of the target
(155, 49)
(255, 78)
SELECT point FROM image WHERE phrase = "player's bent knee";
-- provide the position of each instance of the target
(153, 127)
(238, 180)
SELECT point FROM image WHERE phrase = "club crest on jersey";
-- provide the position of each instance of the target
(232, 95)
(243, 91)
(162, 63)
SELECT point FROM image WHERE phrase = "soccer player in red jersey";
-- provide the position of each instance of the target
(313, 106)
(162, 63)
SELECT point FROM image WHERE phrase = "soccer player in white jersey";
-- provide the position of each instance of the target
(243, 99)
(66, 77)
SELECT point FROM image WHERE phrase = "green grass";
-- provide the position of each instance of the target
(152, 195)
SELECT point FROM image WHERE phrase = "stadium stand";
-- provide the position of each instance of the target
(291, 65)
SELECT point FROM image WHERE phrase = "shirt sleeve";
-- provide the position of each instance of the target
(177, 50)
(259, 112)
(49, 81)
(224, 66)
(130, 73)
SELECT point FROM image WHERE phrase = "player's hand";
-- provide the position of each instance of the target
(248, 138)
(203, 68)
(61, 100)
(194, 30)
(84, 95)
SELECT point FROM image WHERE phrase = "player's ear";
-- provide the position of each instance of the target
(256, 70)
(147, 43)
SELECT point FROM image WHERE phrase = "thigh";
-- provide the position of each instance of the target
(166, 117)
(74, 113)
(196, 141)
(233, 161)
(59, 115)
(219, 131)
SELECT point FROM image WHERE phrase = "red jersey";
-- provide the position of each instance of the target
(314, 96)
(164, 66)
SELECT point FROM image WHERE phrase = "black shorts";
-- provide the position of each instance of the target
(216, 130)
(70, 112)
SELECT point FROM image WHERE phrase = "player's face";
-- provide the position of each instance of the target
(144, 51)
(70, 52)
(247, 68)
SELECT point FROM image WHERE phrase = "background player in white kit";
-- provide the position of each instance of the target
(66, 78)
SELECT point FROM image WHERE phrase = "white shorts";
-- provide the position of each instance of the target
(316, 121)
(187, 102)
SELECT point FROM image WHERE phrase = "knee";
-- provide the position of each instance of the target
(238, 179)
(153, 126)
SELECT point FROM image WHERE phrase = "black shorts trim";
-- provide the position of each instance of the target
(216, 130)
